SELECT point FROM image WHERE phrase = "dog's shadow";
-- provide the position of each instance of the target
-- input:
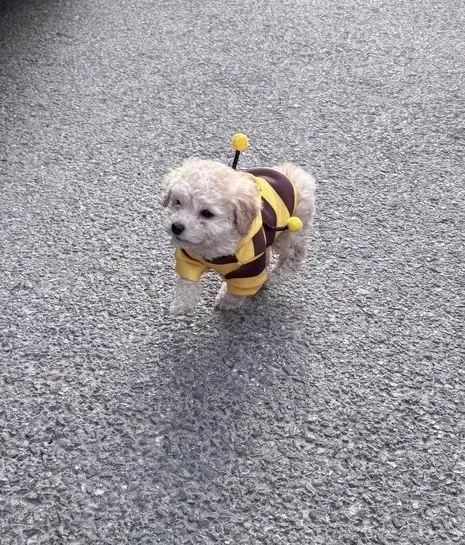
(218, 363)
(218, 344)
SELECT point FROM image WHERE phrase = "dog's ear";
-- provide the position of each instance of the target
(246, 208)
(167, 184)
(166, 197)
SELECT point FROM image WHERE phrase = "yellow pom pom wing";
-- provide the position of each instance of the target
(294, 224)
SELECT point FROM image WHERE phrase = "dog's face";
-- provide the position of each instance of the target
(210, 207)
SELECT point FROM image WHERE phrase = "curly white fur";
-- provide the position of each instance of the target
(214, 206)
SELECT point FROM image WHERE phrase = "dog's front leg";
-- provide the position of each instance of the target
(228, 301)
(186, 296)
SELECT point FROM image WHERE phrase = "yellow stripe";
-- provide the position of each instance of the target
(275, 201)
(188, 268)
(246, 286)
(246, 252)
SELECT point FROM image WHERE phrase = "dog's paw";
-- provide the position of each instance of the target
(186, 297)
(278, 277)
(177, 308)
(275, 280)
(228, 304)
(227, 301)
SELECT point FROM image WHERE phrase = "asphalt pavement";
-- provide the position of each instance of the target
(330, 411)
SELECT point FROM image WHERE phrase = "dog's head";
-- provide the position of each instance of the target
(210, 207)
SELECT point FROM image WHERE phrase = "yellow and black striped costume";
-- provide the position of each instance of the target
(245, 271)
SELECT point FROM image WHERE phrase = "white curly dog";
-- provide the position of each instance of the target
(230, 221)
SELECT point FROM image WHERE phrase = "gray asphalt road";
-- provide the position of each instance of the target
(331, 411)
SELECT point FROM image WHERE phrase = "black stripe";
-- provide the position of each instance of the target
(249, 270)
(259, 242)
(268, 218)
(280, 183)
(225, 260)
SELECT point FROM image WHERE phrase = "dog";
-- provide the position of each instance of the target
(231, 221)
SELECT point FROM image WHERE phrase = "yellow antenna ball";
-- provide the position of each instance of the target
(240, 142)
(294, 224)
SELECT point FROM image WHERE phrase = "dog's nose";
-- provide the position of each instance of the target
(177, 228)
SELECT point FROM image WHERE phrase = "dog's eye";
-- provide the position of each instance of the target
(177, 202)
(206, 214)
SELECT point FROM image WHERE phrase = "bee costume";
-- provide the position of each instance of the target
(245, 271)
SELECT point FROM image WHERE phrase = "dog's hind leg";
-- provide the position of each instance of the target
(291, 249)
